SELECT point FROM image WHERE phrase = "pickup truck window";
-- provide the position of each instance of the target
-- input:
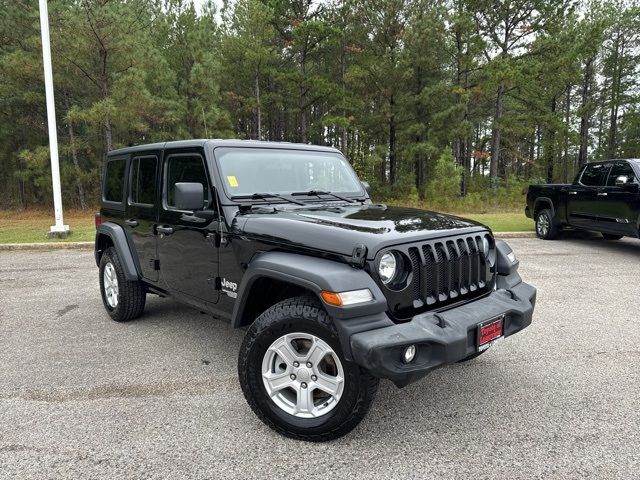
(620, 169)
(594, 175)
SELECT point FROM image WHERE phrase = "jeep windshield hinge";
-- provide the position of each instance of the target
(215, 239)
(359, 256)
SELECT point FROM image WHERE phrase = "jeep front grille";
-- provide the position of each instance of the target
(444, 271)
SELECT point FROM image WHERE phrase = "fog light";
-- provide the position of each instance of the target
(409, 354)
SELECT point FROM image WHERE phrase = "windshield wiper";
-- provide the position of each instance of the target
(264, 196)
(318, 194)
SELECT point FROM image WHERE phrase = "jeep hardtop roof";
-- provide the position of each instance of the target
(219, 142)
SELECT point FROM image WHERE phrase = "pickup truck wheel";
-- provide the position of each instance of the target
(545, 228)
(610, 236)
(124, 299)
(295, 378)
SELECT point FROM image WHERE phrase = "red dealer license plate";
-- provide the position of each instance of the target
(489, 333)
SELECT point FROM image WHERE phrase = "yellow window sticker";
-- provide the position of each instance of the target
(233, 181)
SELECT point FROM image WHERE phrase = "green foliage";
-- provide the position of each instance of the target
(452, 104)
(444, 182)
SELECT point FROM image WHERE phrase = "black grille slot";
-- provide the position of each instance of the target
(414, 255)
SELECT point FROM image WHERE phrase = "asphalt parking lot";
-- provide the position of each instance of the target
(84, 397)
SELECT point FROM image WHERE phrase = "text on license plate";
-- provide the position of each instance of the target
(489, 332)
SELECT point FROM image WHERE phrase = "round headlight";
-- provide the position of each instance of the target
(485, 246)
(387, 267)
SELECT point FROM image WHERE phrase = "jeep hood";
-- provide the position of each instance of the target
(340, 228)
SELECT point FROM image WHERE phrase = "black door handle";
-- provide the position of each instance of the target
(164, 230)
(131, 222)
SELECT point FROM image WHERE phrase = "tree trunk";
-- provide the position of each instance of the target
(343, 73)
(74, 158)
(550, 152)
(495, 139)
(567, 119)
(585, 108)
(104, 87)
(392, 142)
(615, 99)
(258, 106)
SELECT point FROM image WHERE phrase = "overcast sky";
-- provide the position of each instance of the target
(199, 3)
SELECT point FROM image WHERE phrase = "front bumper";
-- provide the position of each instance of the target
(380, 350)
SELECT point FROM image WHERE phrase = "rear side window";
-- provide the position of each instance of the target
(620, 169)
(185, 168)
(114, 180)
(594, 175)
(143, 180)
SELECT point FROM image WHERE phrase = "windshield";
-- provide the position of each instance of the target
(246, 171)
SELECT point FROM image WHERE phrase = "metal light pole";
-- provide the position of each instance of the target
(59, 229)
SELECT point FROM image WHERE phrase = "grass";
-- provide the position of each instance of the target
(503, 222)
(31, 226)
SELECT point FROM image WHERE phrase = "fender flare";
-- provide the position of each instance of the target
(544, 200)
(119, 239)
(314, 274)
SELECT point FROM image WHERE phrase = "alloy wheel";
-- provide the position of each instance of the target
(110, 281)
(303, 375)
(543, 225)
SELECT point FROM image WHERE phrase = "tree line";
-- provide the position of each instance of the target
(425, 97)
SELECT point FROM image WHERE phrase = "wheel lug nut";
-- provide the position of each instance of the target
(314, 378)
(293, 377)
(304, 385)
(296, 364)
(309, 364)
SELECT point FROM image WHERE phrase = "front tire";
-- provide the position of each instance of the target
(295, 378)
(545, 227)
(123, 299)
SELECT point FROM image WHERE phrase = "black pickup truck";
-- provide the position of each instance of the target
(605, 197)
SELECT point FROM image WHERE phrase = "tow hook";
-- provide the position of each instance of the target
(441, 322)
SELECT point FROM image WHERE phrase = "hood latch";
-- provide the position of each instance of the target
(359, 255)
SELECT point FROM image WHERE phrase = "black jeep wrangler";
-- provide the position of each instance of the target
(336, 292)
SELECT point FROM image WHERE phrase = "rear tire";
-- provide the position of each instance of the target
(123, 299)
(609, 236)
(293, 349)
(545, 227)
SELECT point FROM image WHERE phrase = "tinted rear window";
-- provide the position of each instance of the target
(143, 180)
(114, 180)
(594, 174)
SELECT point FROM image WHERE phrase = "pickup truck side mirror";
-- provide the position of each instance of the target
(625, 182)
(189, 196)
(367, 187)
(622, 180)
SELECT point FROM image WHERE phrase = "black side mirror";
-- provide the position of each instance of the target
(189, 196)
(367, 187)
(623, 181)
